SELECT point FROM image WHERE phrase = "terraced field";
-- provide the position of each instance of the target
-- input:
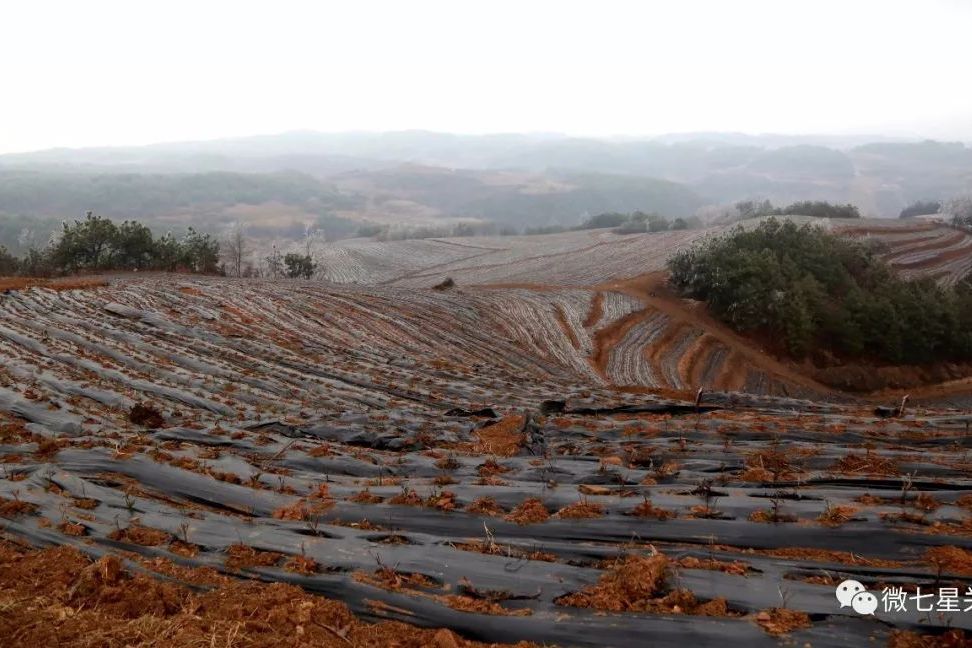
(580, 258)
(583, 258)
(518, 458)
(922, 249)
(281, 348)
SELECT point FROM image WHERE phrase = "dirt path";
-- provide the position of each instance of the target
(958, 387)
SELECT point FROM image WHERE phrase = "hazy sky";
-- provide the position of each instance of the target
(130, 72)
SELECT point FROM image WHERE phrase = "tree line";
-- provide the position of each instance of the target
(622, 223)
(815, 208)
(637, 222)
(39, 192)
(808, 290)
(957, 208)
(98, 244)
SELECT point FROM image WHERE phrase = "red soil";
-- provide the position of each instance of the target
(485, 506)
(581, 510)
(529, 511)
(950, 560)
(503, 438)
(65, 283)
(948, 639)
(780, 621)
(640, 584)
(648, 510)
(59, 597)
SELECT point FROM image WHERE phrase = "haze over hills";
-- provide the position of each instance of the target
(282, 184)
(576, 324)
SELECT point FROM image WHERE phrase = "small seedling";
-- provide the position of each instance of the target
(129, 502)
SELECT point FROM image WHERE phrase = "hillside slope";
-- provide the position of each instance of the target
(454, 459)
(919, 249)
(666, 342)
(588, 257)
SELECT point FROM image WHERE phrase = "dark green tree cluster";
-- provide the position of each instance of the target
(9, 264)
(299, 266)
(635, 222)
(407, 232)
(96, 244)
(810, 289)
(821, 209)
(815, 208)
(755, 208)
(921, 208)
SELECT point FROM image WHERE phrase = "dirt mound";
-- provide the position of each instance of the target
(485, 506)
(629, 586)
(530, 511)
(14, 507)
(581, 510)
(948, 639)
(503, 438)
(950, 560)
(140, 535)
(146, 415)
(648, 510)
(240, 556)
(445, 284)
(640, 584)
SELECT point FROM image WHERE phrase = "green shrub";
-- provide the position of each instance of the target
(809, 289)
(97, 243)
(9, 264)
(299, 265)
(820, 209)
(921, 208)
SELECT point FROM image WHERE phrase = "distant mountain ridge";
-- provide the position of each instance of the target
(510, 179)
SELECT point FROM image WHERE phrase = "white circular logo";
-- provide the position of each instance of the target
(864, 603)
(852, 593)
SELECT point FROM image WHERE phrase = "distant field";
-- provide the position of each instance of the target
(920, 249)
(589, 257)
(577, 258)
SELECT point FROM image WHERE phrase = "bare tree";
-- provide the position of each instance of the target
(960, 208)
(314, 243)
(275, 263)
(236, 248)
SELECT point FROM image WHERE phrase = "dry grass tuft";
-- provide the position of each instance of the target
(581, 510)
(780, 621)
(530, 511)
